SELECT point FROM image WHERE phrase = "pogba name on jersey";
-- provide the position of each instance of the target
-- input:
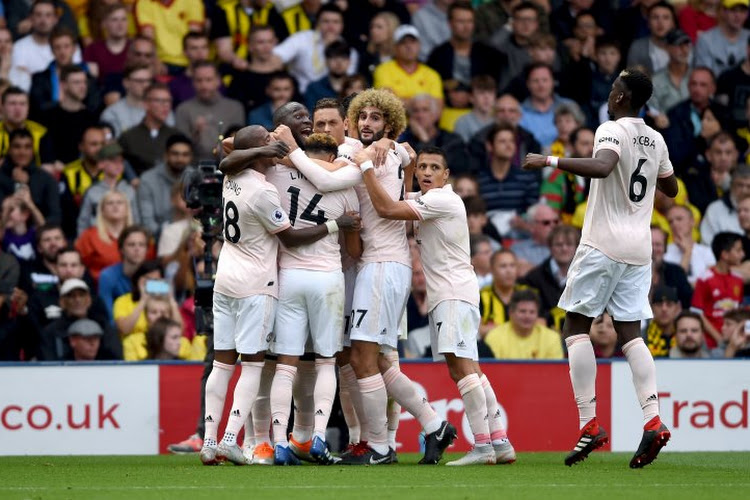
(644, 141)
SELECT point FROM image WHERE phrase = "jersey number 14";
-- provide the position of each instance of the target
(307, 214)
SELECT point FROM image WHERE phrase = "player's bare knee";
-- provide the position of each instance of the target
(258, 357)
(383, 364)
(227, 357)
(576, 324)
(627, 330)
(287, 360)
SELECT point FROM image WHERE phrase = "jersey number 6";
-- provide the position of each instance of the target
(637, 178)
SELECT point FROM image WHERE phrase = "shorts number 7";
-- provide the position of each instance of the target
(362, 313)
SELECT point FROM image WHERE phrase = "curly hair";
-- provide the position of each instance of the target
(391, 106)
(640, 86)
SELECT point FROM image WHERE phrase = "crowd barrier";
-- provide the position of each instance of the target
(135, 409)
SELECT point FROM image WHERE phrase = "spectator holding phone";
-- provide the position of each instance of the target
(129, 309)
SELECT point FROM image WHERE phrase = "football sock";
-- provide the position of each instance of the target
(304, 402)
(402, 389)
(325, 392)
(262, 408)
(350, 379)
(475, 403)
(216, 393)
(245, 393)
(394, 409)
(582, 364)
(281, 398)
(497, 431)
(374, 402)
(347, 408)
(644, 377)
(249, 440)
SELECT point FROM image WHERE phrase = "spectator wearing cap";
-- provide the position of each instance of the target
(110, 163)
(404, 74)
(522, 337)
(154, 206)
(84, 338)
(304, 52)
(75, 302)
(144, 144)
(733, 89)
(688, 337)
(338, 60)
(723, 47)
(460, 58)
(671, 83)
(658, 332)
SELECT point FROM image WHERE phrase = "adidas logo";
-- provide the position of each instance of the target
(383, 332)
(424, 401)
(651, 398)
(497, 413)
(576, 302)
(461, 344)
(209, 419)
(593, 400)
(236, 412)
(319, 412)
(276, 421)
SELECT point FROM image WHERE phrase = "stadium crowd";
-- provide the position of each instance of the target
(105, 104)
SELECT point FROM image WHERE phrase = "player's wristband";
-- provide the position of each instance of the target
(552, 161)
(366, 166)
(332, 227)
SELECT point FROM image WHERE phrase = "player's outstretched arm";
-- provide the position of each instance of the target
(385, 206)
(668, 185)
(240, 159)
(595, 168)
(296, 237)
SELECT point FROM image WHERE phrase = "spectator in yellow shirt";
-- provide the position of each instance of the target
(404, 74)
(523, 337)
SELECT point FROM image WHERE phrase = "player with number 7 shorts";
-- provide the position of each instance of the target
(442, 233)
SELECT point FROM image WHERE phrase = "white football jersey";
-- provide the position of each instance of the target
(307, 207)
(618, 214)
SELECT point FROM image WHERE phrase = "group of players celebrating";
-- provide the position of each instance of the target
(335, 291)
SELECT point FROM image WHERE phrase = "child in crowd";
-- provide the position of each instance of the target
(19, 218)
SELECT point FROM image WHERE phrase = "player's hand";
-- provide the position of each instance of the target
(362, 156)
(276, 149)
(381, 148)
(410, 150)
(284, 133)
(227, 145)
(534, 162)
(350, 221)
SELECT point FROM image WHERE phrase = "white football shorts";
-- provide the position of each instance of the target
(244, 325)
(454, 325)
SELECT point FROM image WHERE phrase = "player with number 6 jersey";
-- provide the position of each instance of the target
(611, 269)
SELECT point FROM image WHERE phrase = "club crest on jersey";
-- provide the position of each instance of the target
(277, 215)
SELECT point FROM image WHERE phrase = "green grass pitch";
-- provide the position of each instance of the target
(603, 476)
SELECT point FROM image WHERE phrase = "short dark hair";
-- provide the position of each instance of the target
(61, 31)
(502, 251)
(156, 86)
(178, 139)
(13, 90)
(70, 69)
(46, 228)
(43, 2)
(205, 64)
(330, 103)
(564, 231)
(347, 100)
(147, 266)
(523, 295)
(329, 7)
(475, 205)
(20, 133)
(497, 127)
(531, 67)
(193, 35)
(133, 67)
(483, 82)
(574, 134)
(337, 48)
(723, 242)
(605, 41)
(526, 5)
(459, 5)
(434, 150)
(67, 249)
(640, 86)
(281, 75)
(125, 234)
(688, 314)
